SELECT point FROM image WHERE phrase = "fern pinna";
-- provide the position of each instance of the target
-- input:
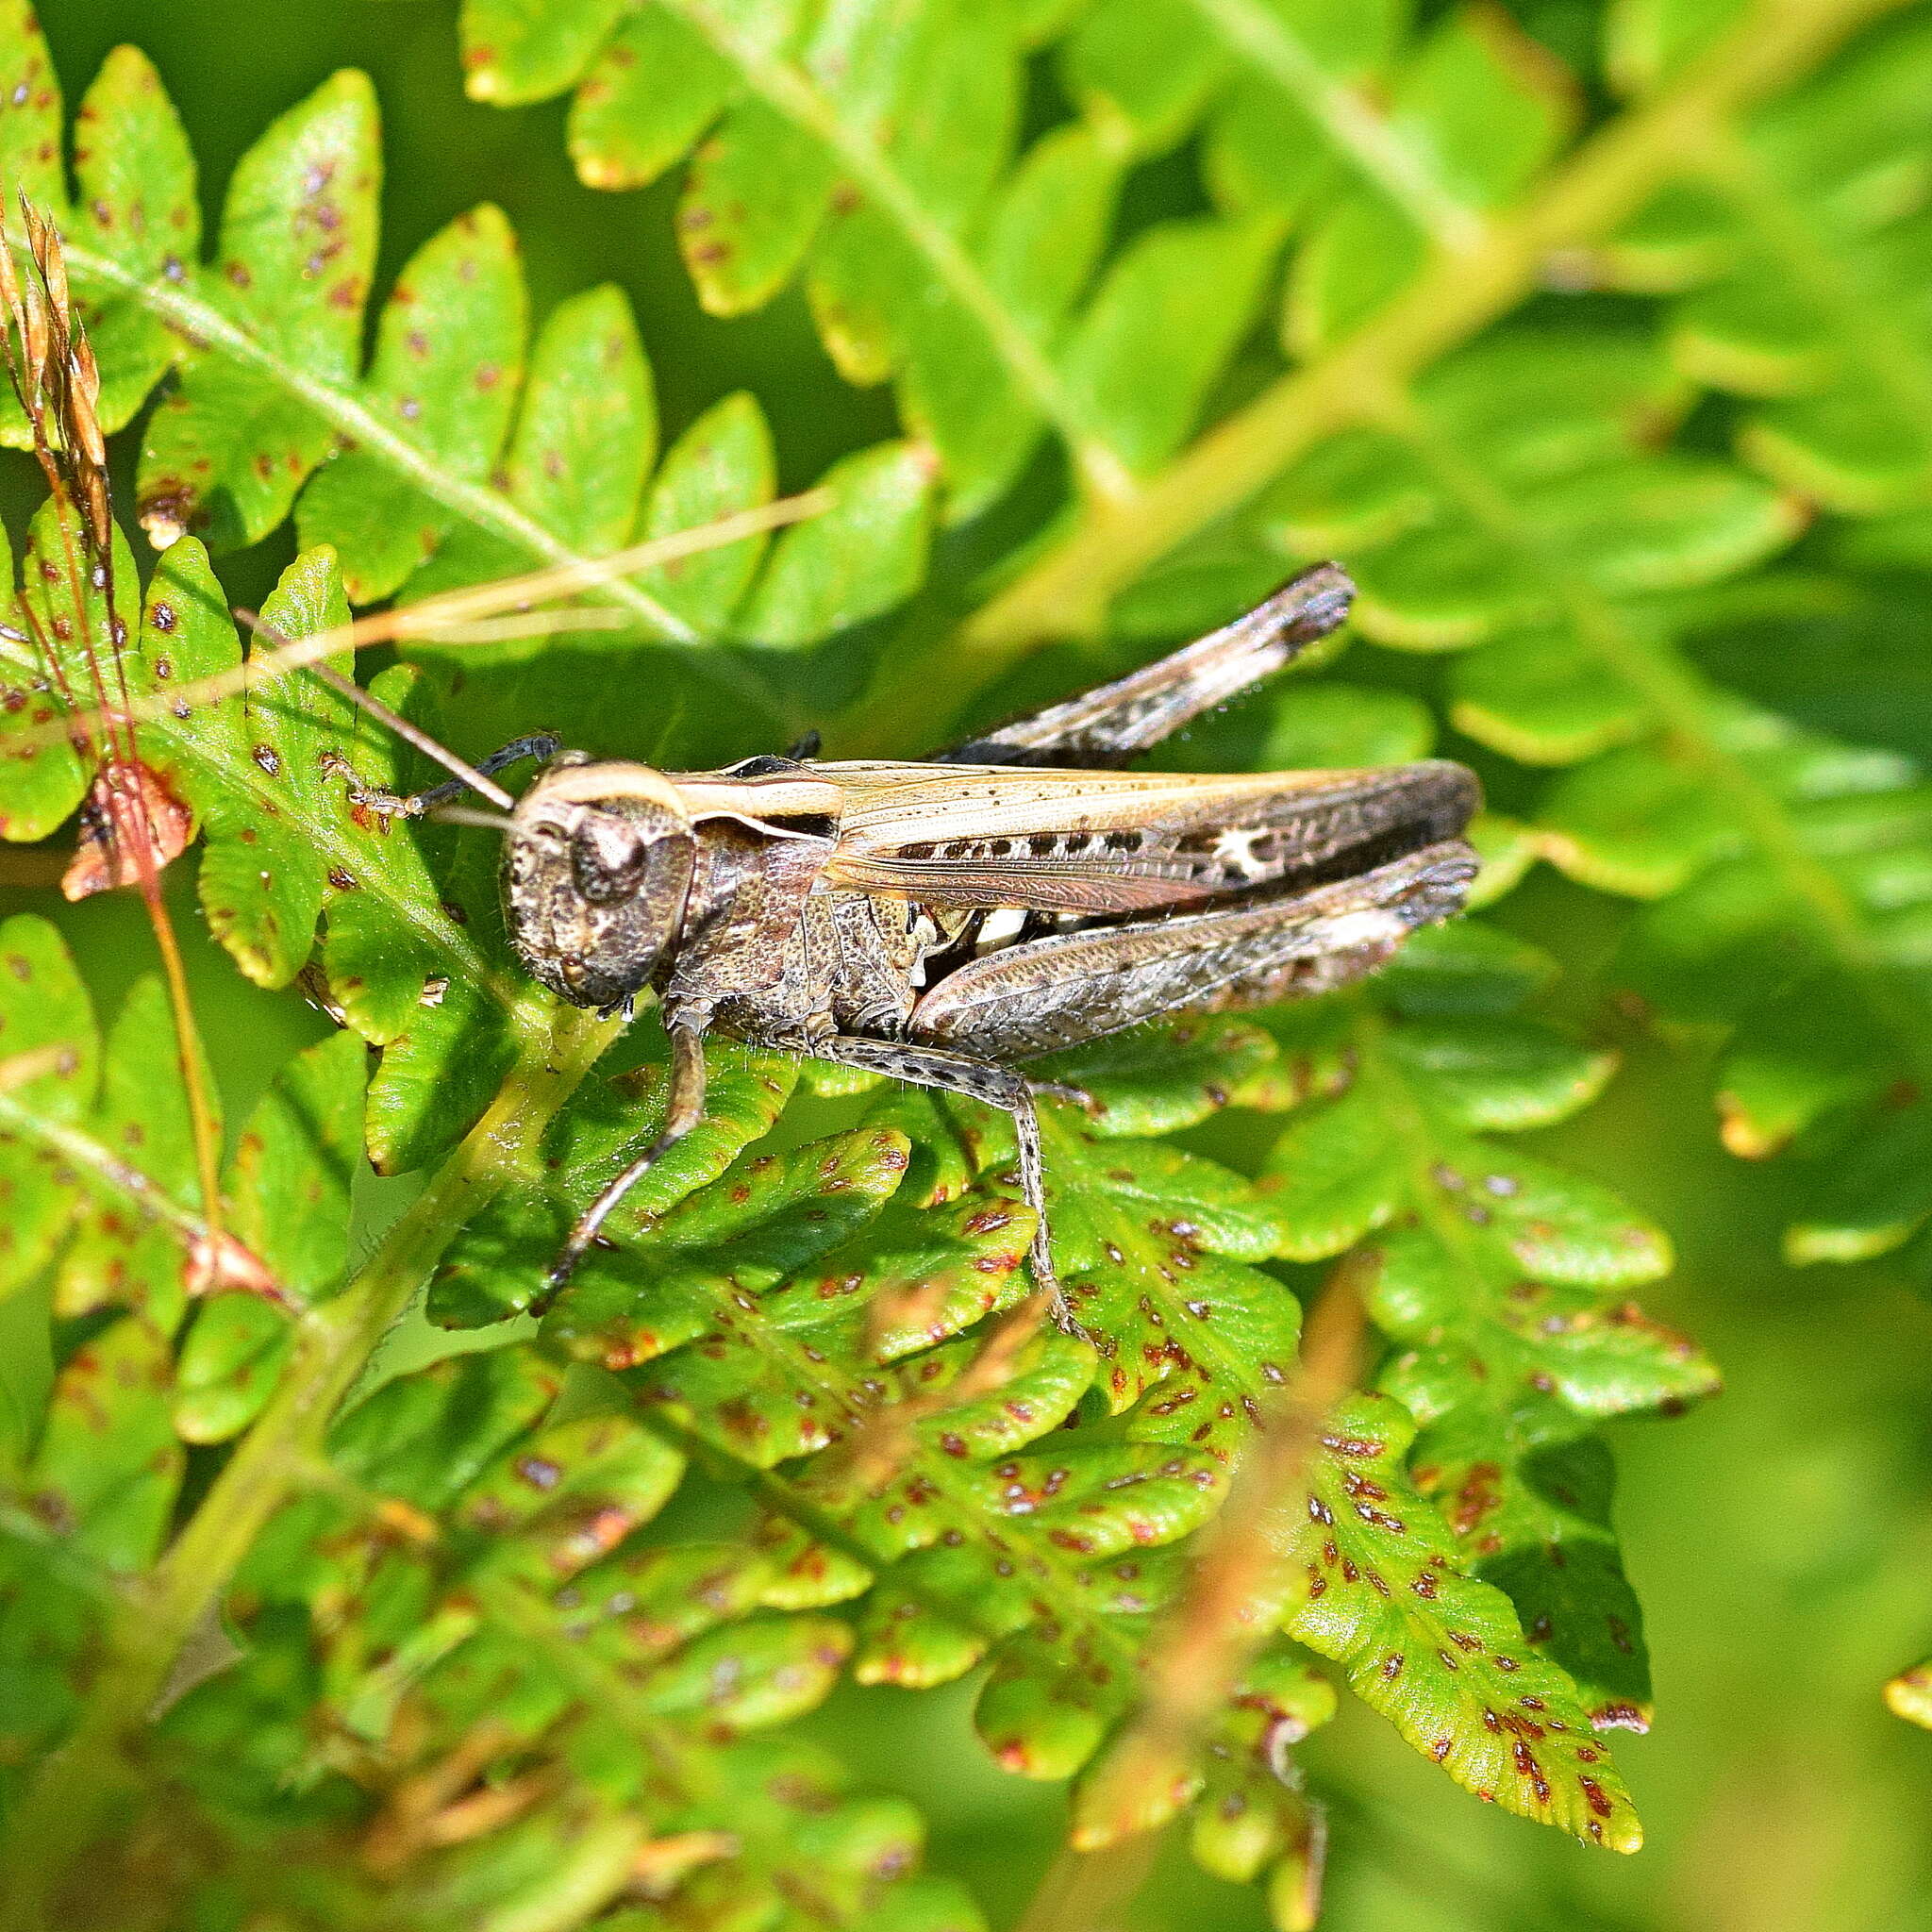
(423, 1610)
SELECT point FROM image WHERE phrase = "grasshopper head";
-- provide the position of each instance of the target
(594, 878)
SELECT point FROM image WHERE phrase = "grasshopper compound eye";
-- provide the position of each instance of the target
(596, 872)
(611, 855)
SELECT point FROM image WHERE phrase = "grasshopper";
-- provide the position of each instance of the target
(935, 921)
(939, 921)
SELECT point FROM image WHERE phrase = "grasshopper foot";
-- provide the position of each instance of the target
(583, 1238)
(388, 804)
(1068, 1323)
(1039, 1258)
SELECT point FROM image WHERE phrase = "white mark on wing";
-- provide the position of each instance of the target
(1369, 926)
(1235, 849)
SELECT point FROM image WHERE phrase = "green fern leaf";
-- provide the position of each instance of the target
(230, 446)
(448, 362)
(119, 1253)
(52, 1049)
(271, 390)
(135, 198)
(488, 1620)
(947, 266)
(1799, 254)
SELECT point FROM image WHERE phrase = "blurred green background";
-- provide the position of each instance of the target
(1781, 1538)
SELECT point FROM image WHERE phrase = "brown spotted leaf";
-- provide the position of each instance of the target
(226, 451)
(448, 362)
(1503, 1283)
(274, 775)
(1439, 1654)
(130, 826)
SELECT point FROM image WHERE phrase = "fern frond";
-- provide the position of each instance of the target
(1501, 1281)
(435, 1604)
(271, 388)
(1794, 240)
(1545, 545)
(1452, 298)
(935, 256)
(743, 1316)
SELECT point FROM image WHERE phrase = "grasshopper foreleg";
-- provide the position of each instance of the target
(683, 1110)
(538, 744)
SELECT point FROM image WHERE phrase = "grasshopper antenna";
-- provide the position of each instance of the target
(462, 815)
(410, 734)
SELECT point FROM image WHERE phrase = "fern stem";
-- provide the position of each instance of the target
(92, 1776)
(1083, 1890)
(205, 326)
(203, 1129)
(1206, 1639)
(1261, 36)
(783, 86)
(1066, 592)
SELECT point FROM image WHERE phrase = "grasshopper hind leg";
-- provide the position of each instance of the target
(981, 1080)
(1110, 725)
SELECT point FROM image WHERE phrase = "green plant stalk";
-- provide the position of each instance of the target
(92, 1775)
(1065, 594)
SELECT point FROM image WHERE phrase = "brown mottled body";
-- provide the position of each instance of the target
(938, 921)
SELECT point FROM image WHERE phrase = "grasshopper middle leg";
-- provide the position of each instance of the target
(982, 1080)
(921, 1066)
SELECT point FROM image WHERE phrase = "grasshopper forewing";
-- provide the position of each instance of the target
(939, 921)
